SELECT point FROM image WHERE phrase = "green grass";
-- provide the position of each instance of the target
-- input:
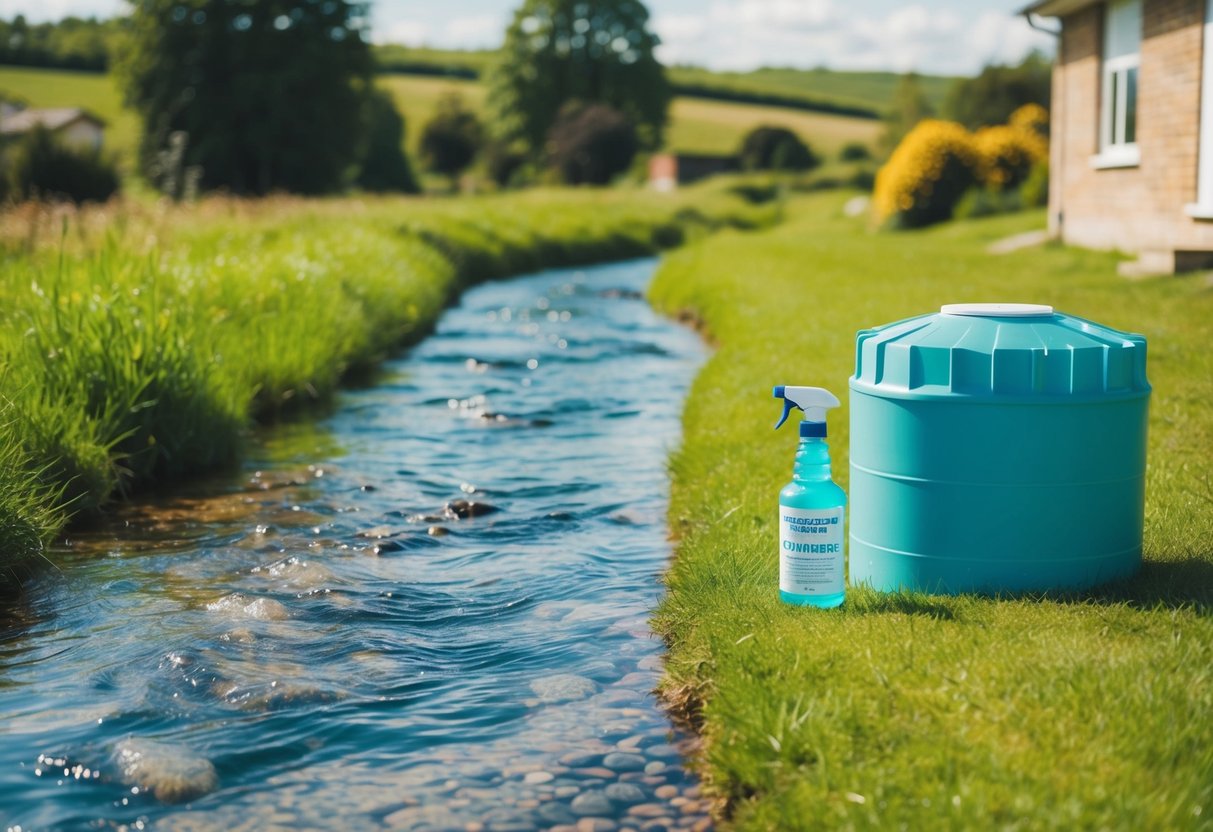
(909, 711)
(137, 343)
(863, 89)
(95, 92)
(696, 125)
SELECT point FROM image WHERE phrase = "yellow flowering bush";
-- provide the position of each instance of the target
(1007, 154)
(933, 166)
(1031, 118)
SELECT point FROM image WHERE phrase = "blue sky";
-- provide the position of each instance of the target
(943, 36)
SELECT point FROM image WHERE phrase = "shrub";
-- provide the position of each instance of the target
(926, 175)
(451, 138)
(1032, 118)
(855, 152)
(775, 148)
(1007, 155)
(1034, 192)
(42, 167)
(986, 202)
(383, 165)
(591, 144)
(504, 163)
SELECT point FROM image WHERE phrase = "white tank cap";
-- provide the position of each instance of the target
(998, 310)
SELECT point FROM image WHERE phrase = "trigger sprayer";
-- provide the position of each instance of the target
(812, 541)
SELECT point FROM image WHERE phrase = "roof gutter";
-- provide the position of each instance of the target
(1030, 16)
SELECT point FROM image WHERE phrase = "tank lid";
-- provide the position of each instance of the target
(999, 352)
(998, 310)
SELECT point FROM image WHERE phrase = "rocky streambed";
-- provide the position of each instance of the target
(427, 610)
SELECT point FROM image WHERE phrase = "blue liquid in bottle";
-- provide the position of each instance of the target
(812, 509)
(812, 514)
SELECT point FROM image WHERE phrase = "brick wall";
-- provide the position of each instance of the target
(1140, 208)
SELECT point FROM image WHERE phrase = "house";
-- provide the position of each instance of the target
(75, 126)
(1132, 129)
(669, 170)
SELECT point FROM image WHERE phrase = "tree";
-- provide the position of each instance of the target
(591, 144)
(41, 166)
(269, 93)
(451, 138)
(775, 148)
(909, 106)
(384, 166)
(587, 51)
(998, 91)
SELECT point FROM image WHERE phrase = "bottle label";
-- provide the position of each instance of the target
(811, 551)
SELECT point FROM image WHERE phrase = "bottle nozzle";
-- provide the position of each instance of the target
(812, 401)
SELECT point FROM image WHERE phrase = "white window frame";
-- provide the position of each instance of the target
(1202, 209)
(1114, 151)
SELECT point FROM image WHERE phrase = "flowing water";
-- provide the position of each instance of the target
(427, 610)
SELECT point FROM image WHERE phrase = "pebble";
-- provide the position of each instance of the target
(556, 813)
(597, 771)
(172, 773)
(647, 810)
(437, 531)
(591, 803)
(596, 825)
(655, 767)
(625, 793)
(463, 509)
(536, 777)
(663, 750)
(620, 761)
(580, 759)
(666, 792)
(566, 791)
(563, 687)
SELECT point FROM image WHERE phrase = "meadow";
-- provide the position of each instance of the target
(696, 125)
(138, 341)
(1080, 711)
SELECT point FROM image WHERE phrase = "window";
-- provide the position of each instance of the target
(1118, 100)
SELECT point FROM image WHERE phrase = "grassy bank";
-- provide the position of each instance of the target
(137, 343)
(919, 711)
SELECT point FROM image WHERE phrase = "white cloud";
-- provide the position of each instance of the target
(37, 11)
(406, 32)
(480, 31)
(745, 34)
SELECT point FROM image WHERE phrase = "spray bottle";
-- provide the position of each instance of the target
(812, 555)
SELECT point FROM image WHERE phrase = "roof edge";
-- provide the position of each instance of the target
(1056, 8)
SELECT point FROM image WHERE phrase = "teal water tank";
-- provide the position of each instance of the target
(997, 448)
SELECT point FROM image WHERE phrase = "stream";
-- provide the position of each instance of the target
(427, 609)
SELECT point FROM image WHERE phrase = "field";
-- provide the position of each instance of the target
(63, 88)
(138, 341)
(1083, 711)
(696, 125)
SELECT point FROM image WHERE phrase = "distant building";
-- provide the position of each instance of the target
(1132, 129)
(669, 170)
(75, 126)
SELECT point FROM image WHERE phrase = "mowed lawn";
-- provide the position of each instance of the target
(1085, 711)
(696, 125)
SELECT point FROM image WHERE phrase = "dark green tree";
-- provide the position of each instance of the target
(591, 144)
(586, 51)
(908, 107)
(41, 166)
(383, 166)
(451, 138)
(269, 93)
(998, 91)
(775, 148)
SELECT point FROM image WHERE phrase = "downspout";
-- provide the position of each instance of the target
(1055, 126)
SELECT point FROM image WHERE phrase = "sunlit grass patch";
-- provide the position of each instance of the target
(1085, 710)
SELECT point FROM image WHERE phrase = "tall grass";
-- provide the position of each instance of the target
(138, 344)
